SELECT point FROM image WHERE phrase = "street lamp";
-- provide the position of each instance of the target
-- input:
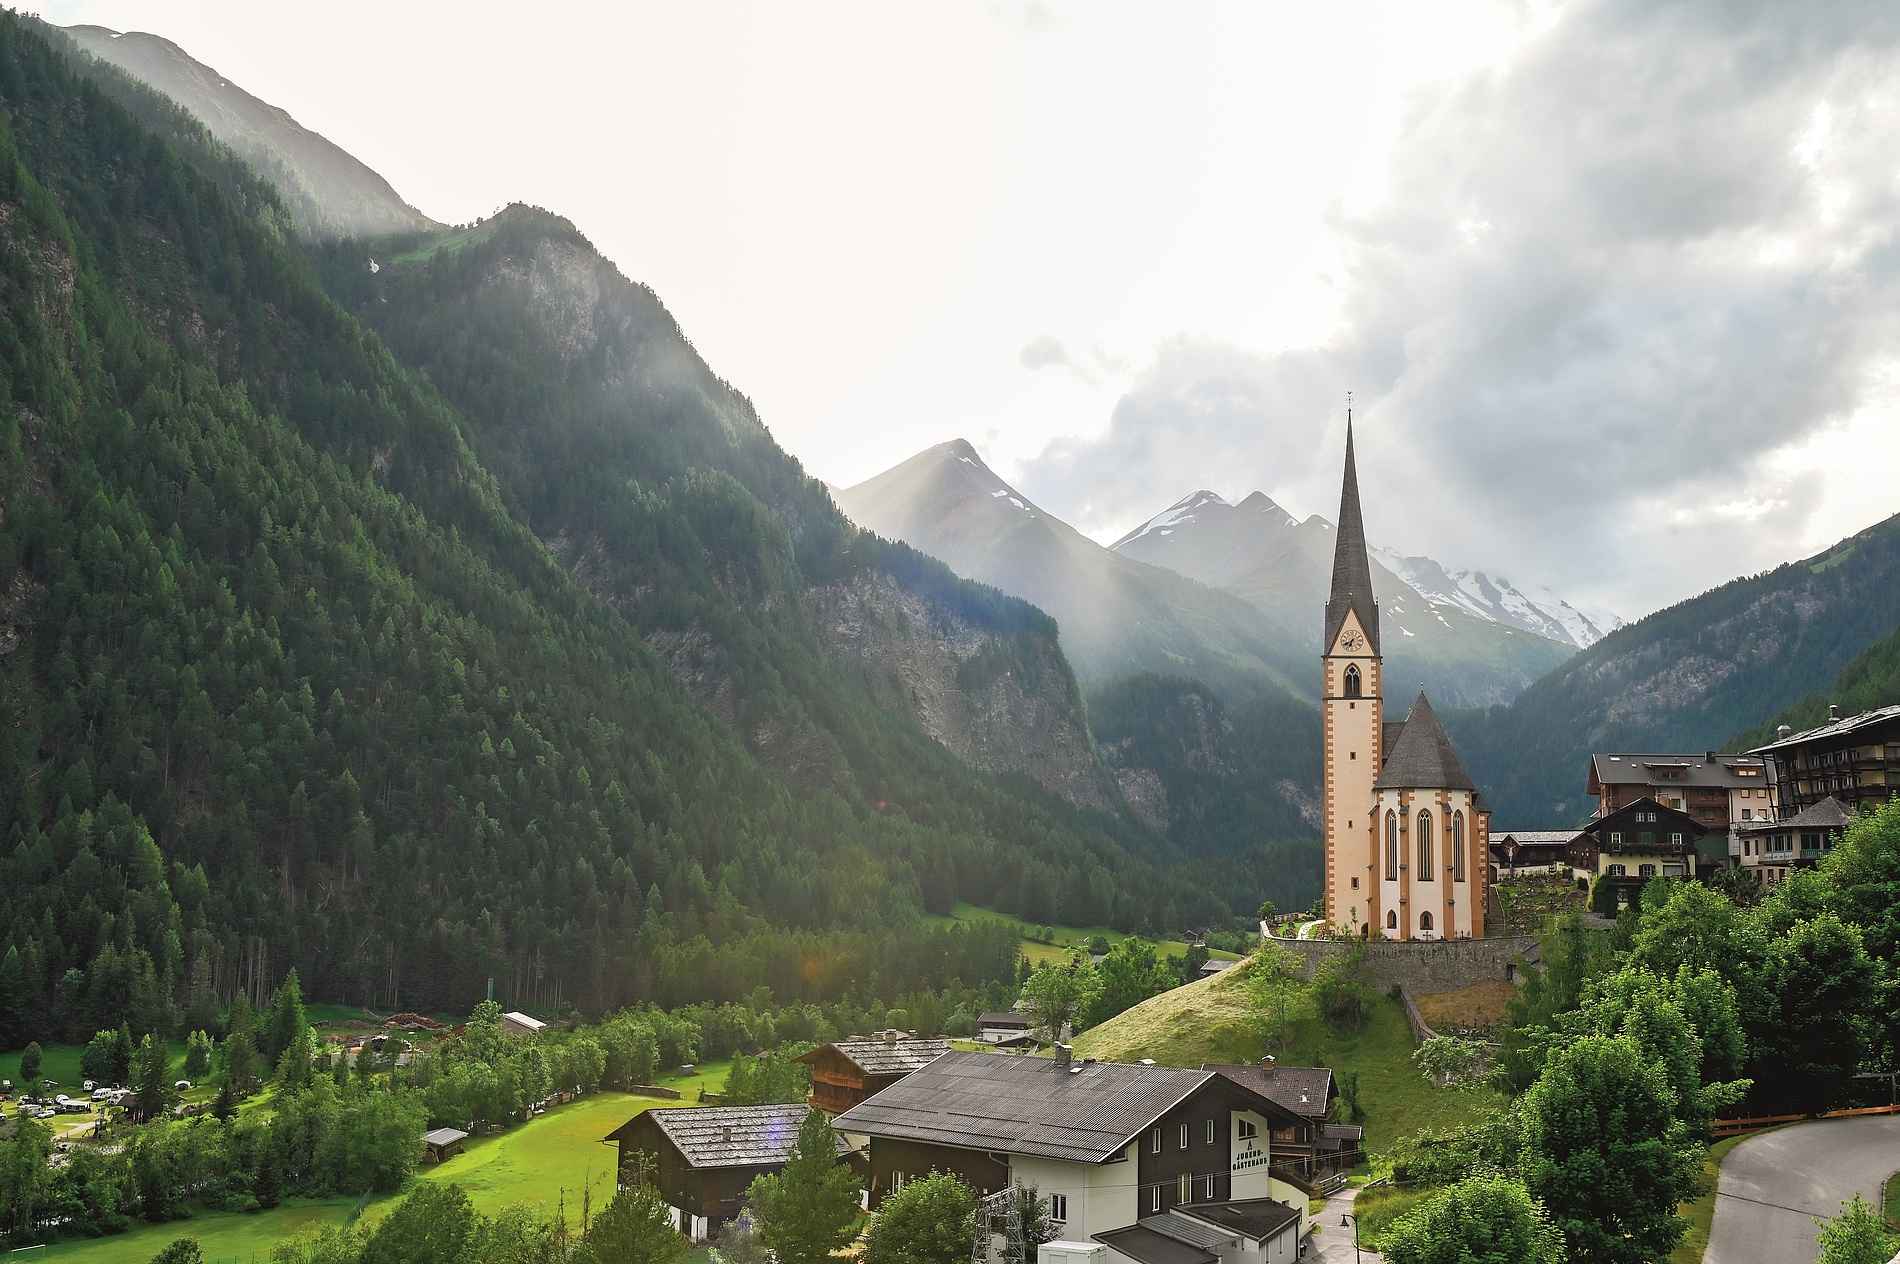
(1343, 1219)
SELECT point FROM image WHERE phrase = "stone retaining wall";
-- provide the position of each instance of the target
(1441, 965)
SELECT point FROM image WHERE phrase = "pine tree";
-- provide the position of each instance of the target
(286, 1020)
(151, 1089)
(224, 1106)
(13, 1017)
(809, 1209)
(240, 1062)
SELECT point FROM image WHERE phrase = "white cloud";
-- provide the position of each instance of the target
(1616, 280)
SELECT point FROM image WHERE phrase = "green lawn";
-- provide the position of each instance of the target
(1210, 1021)
(1067, 938)
(1890, 1202)
(557, 1155)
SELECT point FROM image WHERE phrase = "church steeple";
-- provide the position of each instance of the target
(1352, 569)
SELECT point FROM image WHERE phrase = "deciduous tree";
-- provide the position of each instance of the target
(928, 1221)
(1482, 1220)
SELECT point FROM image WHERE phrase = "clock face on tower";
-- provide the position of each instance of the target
(1352, 642)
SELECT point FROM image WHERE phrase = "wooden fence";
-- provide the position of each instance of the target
(1736, 1127)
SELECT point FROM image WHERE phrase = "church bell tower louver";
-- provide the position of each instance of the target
(1353, 717)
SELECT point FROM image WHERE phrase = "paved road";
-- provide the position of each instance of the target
(1775, 1184)
(1334, 1241)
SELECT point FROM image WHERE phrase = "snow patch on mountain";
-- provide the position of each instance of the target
(1499, 601)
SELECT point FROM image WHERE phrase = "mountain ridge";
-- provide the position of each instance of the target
(1116, 615)
(1282, 566)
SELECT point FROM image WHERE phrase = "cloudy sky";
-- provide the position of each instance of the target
(1614, 282)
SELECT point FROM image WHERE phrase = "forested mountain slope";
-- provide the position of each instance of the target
(1117, 614)
(328, 192)
(288, 681)
(1688, 678)
(1218, 778)
(1870, 681)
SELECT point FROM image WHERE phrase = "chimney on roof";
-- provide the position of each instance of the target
(890, 1035)
(1833, 713)
(1266, 1065)
(1711, 757)
(1782, 732)
(726, 1136)
(1062, 1054)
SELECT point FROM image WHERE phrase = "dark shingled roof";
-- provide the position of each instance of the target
(1423, 758)
(1256, 1218)
(878, 1057)
(1306, 1091)
(1829, 814)
(1085, 1113)
(1866, 719)
(1684, 770)
(733, 1136)
(1003, 1018)
(1389, 737)
(1139, 1242)
(1352, 568)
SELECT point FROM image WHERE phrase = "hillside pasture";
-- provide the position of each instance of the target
(1212, 1021)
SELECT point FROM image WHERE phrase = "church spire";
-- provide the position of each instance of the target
(1352, 569)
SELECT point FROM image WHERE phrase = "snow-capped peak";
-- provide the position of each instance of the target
(1180, 513)
(1499, 601)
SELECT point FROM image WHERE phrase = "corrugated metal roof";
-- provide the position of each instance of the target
(1138, 1242)
(1423, 757)
(1087, 1112)
(1192, 1232)
(878, 1057)
(444, 1136)
(1256, 1218)
(735, 1136)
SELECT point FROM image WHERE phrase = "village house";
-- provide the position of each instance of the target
(1722, 792)
(1183, 1155)
(847, 1072)
(1855, 760)
(1772, 850)
(1530, 851)
(1637, 842)
(1313, 1147)
(703, 1159)
(999, 1027)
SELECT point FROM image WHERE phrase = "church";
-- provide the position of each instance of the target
(1407, 833)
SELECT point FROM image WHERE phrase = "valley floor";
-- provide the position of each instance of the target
(549, 1161)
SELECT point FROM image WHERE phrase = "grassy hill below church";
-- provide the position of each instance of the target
(1211, 1021)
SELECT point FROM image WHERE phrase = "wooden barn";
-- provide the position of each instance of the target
(847, 1072)
(703, 1159)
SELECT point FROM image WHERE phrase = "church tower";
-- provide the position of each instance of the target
(1353, 719)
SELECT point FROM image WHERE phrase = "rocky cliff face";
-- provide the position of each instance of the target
(998, 703)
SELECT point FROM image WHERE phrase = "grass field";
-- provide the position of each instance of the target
(1210, 1021)
(1067, 938)
(557, 1155)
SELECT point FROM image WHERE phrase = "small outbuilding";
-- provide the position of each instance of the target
(516, 1023)
(702, 1159)
(443, 1143)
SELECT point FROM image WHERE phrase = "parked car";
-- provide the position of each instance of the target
(89, 1086)
(182, 1085)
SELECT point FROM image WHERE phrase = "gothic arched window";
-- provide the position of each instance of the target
(1352, 681)
(1457, 846)
(1392, 920)
(1392, 846)
(1424, 921)
(1425, 847)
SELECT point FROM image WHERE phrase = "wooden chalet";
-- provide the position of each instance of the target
(847, 1072)
(1635, 843)
(702, 1159)
(1853, 759)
